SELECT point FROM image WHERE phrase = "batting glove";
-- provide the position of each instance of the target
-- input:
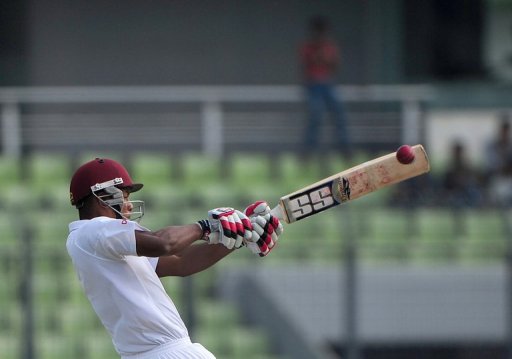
(266, 228)
(227, 226)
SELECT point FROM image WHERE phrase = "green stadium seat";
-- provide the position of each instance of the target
(296, 172)
(437, 235)
(165, 197)
(9, 228)
(480, 252)
(15, 197)
(333, 232)
(177, 216)
(485, 238)
(10, 345)
(217, 315)
(198, 169)
(436, 222)
(152, 169)
(76, 345)
(249, 169)
(189, 189)
(432, 251)
(56, 198)
(232, 340)
(214, 341)
(79, 347)
(10, 264)
(484, 224)
(247, 343)
(157, 218)
(99, 346)
(335, 163)
(46, 168)
(10, 317)
(251, 179)
(77, 318)
(203, 282)
(173, 286)
(213, 195)
(295, 243)
(387, 237)
(53, 346)
(47, 183)
(10, 171)
(321, 238)
(52, 274)
(47, 318)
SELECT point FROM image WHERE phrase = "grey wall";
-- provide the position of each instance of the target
(183, 42)
(116, 42)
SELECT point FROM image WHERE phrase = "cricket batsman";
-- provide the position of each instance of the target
(119, 262)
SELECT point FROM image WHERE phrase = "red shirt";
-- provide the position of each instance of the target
(319, 59)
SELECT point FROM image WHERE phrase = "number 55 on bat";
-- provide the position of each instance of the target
(350, 184)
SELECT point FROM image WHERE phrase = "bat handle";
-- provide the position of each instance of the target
(277, 211)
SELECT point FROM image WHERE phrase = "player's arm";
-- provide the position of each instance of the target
(167, 241)
(193, 259)
(225, 226)
(224, 230)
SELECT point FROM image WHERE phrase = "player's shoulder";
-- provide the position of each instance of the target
(106, 223)
(100, 225)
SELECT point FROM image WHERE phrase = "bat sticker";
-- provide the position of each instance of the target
(341, 189)
(312, 201)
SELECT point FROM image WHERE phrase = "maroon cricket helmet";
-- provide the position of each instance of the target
(98, 171)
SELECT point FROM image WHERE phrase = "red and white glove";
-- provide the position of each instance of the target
(266, 228)
(227, 226)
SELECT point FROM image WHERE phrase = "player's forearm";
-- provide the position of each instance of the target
(203, 256)
(180, 237)
(166, 241)
(193, 259)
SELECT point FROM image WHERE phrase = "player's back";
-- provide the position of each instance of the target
(122, 287)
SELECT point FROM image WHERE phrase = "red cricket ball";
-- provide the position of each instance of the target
(405, 154)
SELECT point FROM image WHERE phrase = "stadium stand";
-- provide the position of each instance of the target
(64, 323)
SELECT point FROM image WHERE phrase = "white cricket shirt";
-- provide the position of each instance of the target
(123, 288)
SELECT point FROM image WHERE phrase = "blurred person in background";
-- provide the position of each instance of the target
(119, 262)
(498, 162)
(461, 181)
(320, 61)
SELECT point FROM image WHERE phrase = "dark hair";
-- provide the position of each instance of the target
(319, 23)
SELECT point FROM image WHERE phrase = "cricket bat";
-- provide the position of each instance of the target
(349, 185)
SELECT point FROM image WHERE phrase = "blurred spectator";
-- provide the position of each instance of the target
(461, 181)
(320, 60)
(499, 165)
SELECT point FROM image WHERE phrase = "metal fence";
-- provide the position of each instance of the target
(211, 119)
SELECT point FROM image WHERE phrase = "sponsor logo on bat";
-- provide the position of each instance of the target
(341, 189)
(312, 201)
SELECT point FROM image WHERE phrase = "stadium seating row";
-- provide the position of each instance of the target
(36, 212)
(389, 233)
(46, 176)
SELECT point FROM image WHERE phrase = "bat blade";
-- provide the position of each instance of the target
(349, 185)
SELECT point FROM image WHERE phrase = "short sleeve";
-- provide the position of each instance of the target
(116, 239)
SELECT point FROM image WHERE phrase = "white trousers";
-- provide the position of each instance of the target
(178, 349)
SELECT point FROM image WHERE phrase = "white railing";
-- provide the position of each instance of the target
(211, 100)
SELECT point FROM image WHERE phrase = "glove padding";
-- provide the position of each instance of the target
(229, 227)
(266, 228)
